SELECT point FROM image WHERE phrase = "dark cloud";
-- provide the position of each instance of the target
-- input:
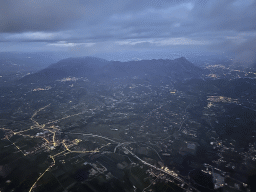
(245, 52)
(51, 15)
(103, 26)
(37, 15)
(224, 15)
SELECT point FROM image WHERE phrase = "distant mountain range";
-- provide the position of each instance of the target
(95, 69)
(25, 62)
(15, 65)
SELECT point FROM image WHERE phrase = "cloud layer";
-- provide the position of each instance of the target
(206, 25)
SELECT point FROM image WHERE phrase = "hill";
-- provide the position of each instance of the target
(95, 69)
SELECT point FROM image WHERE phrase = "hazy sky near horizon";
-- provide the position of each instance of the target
(94, 27)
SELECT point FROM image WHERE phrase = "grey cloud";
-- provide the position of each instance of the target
(38, 15)
(52, 15)
(206, 16)
(217, 25)
(245, 52)
(46, 15)
(148, 22)
(225, 15)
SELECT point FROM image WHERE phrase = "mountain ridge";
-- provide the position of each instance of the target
(95, 68)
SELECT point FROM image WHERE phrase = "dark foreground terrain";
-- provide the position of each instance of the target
(87, 124)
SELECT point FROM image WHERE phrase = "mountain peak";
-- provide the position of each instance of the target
(183, 59)
(83, 59)
(95, 68)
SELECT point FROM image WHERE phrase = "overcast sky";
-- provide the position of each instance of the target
(121, 27)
